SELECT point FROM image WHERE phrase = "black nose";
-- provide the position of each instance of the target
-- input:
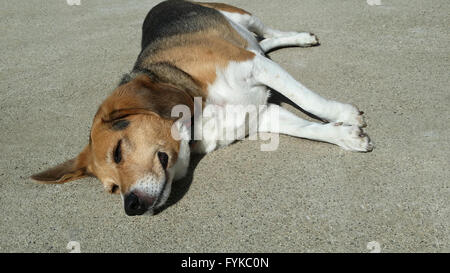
(135, 206)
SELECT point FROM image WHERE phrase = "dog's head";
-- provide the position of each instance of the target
(132, 149)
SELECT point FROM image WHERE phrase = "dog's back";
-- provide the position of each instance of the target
(176, 17)
(189, 38)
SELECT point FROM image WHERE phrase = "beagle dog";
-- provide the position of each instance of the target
(212, 54)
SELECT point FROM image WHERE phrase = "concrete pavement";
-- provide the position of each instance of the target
(58, 62)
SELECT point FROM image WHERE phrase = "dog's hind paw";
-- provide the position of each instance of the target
(315, 41)
(306, 39)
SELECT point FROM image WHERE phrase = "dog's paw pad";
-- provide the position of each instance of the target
(353, 138)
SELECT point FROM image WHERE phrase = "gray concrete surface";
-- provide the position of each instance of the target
(58, 62)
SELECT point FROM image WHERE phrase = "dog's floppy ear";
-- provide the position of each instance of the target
(73, 169)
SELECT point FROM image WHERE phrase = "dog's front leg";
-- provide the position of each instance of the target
(276, 119)
(267, 72)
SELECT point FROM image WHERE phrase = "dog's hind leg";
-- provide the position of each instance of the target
(276, 119)
(303, 39)
(272, 38)
(275, 38)
(269, 73)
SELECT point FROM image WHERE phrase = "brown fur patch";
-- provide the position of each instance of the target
(200, 54)
(146, 106)
(140, 96)
(145, 136)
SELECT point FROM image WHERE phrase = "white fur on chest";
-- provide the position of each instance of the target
(233, 90)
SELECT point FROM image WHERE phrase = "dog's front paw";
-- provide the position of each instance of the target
(352, 138)
(351, 115)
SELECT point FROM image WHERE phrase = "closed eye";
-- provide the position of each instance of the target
(115, 189)
(163, 159)
(117, 154)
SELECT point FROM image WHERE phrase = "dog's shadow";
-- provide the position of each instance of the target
(181, 187)
(277, 98)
